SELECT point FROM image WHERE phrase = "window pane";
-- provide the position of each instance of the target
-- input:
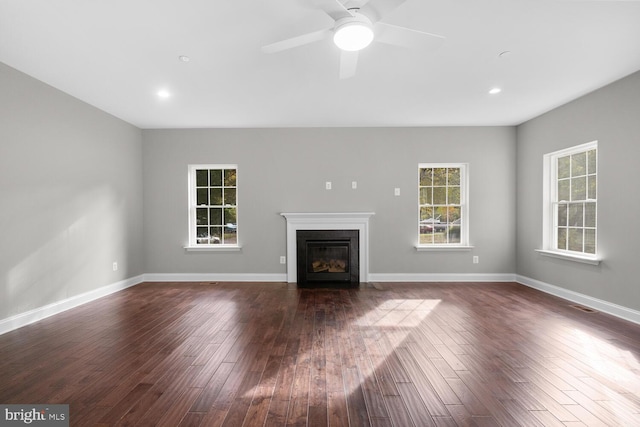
(575, 239)
(564, 164)
(426, 238)
(454, 196)
(453, 232)
(426, 176)
(575, 215)
(564, 190)
(440, 237)
(216, 235)
(579, 188)
(426, 213)
(589, 214)
(230, 233)
(216, 196)
(591, 162)
(592, 183)
(453, 215)
(229, 216)
(216, 177)
(201, 178)
(202, 198)
(564, 167)
(202, 236)
(201, 216)
(229, 196)
(230, 177)
(562, 215)
(441, 213)
(579, 164)
(440, 176)
(216, 216)
(590, 241)
(562, 238)
(425, 196)
(230, 238)
(439, 195)
(454, 176)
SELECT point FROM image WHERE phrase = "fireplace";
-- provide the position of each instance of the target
(327, 257)
(297, 221)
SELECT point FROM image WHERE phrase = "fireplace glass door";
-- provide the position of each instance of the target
(327, 256)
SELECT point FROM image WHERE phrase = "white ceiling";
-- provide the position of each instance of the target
(117, 54)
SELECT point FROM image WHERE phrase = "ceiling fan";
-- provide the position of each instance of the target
(355, 27)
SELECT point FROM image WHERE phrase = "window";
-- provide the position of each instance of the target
(442, 204)
(213, 205)
(570, 205)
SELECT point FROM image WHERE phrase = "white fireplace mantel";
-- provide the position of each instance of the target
(327, 221)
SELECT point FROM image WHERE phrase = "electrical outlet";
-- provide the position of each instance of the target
(476, 259)
(115, 266)
(283, 260)
(327, 185)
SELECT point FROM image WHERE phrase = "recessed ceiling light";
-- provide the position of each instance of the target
(184, 58)
(163, 93)
(495, 91)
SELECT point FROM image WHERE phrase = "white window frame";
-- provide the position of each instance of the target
(549, 201)
(464, 209)
(192, 191)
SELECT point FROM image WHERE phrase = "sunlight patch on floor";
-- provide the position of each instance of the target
(598, 354)
(399, 313)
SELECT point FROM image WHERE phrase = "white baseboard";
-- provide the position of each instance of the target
(31, 316)
(409, 277)
(585, 300)
(213, 277)
(23, 319)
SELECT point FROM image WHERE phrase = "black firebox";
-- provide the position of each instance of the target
(327, 257)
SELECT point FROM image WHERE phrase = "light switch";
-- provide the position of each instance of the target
(396, 192)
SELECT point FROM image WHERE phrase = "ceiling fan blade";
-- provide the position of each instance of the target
(375, 10)
(296, 41)
(348, 64)
(406, 37)
(334, 9)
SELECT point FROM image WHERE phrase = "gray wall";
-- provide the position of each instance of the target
(71, 196)
(72, 179)
(610, 115)
(284, 170)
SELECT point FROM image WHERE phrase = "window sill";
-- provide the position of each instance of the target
(593, 260)
(216, 248)
(444, 248)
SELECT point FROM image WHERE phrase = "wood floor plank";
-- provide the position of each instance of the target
(415, 406)
(270, 354)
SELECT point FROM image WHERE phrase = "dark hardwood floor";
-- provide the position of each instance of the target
(428, 354)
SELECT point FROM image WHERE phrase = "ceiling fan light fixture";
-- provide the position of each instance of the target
(354, 33)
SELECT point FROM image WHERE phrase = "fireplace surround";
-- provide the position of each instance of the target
(328, 221)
